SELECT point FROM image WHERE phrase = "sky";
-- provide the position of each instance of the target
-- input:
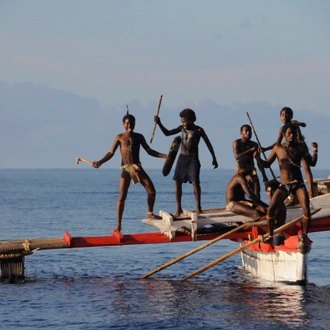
(114, 52)
(229, 51)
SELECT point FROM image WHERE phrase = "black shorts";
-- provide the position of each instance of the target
(187, 169)
(291, 188)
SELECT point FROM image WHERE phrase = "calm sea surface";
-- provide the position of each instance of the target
(100, 288)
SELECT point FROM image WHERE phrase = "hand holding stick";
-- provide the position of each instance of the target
(254, 132)
(154, 129)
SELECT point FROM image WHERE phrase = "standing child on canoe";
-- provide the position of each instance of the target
(129, 143)
(289, 156)
(188, 164)
(286, 115)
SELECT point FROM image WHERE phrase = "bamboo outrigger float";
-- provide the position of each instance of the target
(286, 262)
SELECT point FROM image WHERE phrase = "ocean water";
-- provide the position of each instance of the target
(100, 288)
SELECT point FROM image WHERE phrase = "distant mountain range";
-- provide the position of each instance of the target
(41, 127)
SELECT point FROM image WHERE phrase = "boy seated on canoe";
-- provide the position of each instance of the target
(257, 210)
(129, 143)
(236, 191)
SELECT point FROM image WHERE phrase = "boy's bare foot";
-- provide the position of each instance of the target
(177, 213)
(199, 211)
(117, 234)
(154, 217)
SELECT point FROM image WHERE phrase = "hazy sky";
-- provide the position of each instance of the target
(115, 51)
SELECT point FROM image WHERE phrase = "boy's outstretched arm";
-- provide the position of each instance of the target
(108, 155)
(298, 123)
(165, 131)
(278, 141)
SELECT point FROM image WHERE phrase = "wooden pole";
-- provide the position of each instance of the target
(31, 244)
(12, 255)
(241, 248)
(157, 113)
(255, 133)
(201, 247)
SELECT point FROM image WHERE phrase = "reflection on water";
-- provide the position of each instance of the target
(276, 304)
(231, 303)
(226, 298)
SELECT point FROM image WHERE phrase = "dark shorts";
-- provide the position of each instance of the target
(187, 169)
(291, 188)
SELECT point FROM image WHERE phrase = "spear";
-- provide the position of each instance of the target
(255, 134)
(157, 113)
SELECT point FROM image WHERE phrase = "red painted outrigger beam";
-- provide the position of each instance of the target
(139, 238)
(116, 238)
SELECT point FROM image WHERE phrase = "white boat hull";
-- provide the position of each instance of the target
(279, 266)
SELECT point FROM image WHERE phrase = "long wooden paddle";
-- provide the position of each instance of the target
(201, 247)
(270, 169)
(261, 238)
(157, 113)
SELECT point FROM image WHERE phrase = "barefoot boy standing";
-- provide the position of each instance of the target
(129, 143)
(188, 164)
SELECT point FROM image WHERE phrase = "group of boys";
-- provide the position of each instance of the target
(244, 183)
(187, 167)
(290, 155)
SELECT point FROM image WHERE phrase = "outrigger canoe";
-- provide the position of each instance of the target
(287, 262)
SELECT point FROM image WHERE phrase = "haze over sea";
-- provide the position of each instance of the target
(100, 288)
